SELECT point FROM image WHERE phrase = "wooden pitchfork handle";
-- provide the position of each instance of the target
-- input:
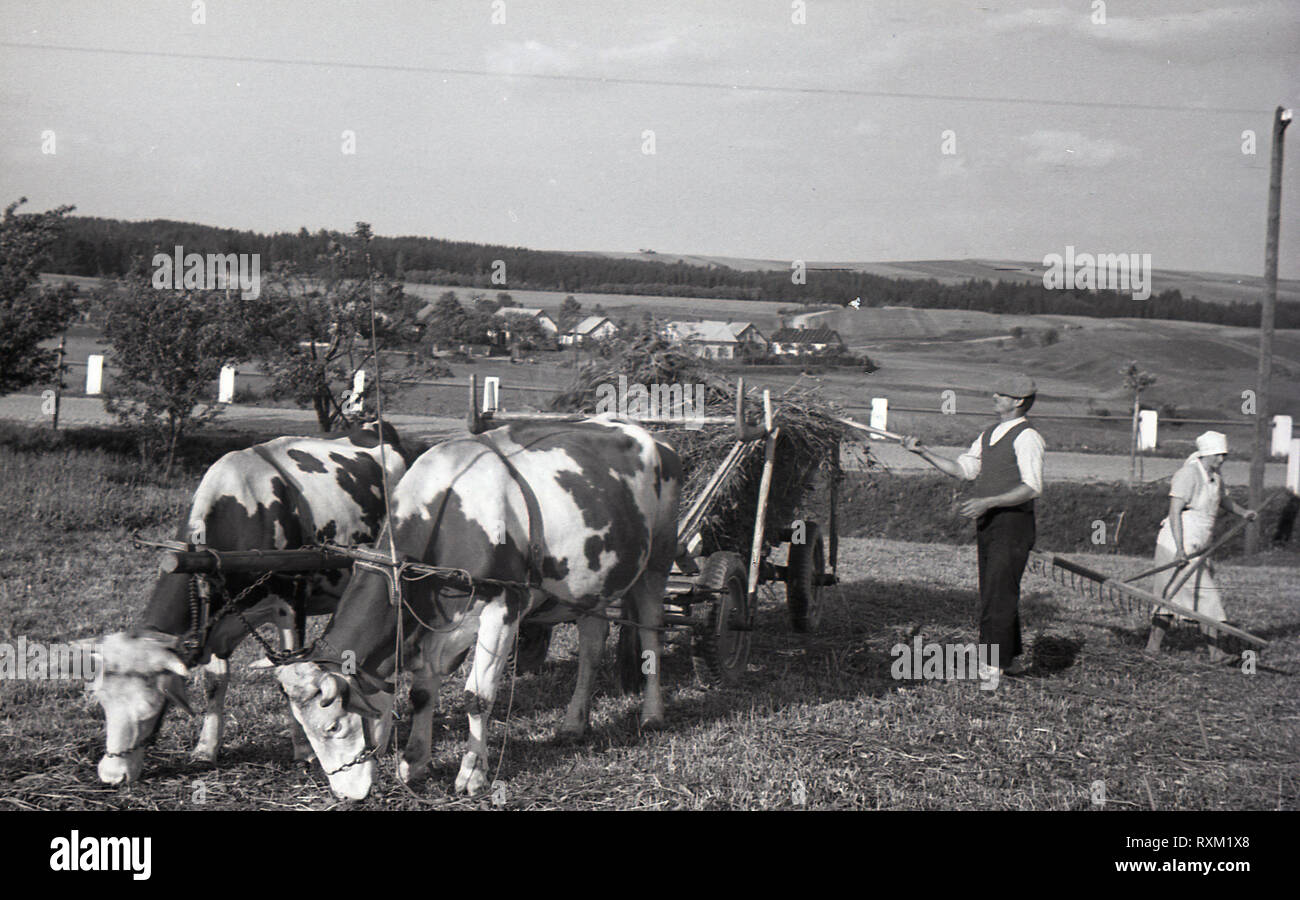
(1172, 589)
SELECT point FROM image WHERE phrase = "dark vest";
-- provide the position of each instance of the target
(999, 471)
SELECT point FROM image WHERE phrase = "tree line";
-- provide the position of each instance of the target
(107, 247)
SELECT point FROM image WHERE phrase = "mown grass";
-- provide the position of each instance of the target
(819, 722)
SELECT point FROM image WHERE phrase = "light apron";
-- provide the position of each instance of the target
(1200, 591)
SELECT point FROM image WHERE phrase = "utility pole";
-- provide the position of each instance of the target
(1281, 119)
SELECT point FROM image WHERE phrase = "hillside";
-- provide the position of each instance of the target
(1213, 287)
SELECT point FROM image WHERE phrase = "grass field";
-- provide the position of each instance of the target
(819, 721)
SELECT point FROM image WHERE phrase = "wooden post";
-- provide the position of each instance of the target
(1281, 119)
(58, 380)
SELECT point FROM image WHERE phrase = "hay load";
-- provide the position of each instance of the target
(808, 443)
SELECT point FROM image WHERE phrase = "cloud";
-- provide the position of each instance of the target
(1214, 30)
(531, 58)
(534, 57)
(1071, 148)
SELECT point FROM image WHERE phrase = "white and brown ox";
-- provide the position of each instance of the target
(278, 495)
(588, 510)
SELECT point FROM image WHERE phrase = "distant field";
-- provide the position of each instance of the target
(762, 313)
(1213, 287)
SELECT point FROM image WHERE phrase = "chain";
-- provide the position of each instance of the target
(232, 607)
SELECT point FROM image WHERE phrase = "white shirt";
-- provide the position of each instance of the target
(1029, 449)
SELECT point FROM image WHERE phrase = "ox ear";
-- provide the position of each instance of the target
(174, 690)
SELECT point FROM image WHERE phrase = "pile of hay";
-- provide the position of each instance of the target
(808, 443)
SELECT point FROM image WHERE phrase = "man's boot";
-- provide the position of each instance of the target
(1160, 625)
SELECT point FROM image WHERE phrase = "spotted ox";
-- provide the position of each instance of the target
(586, 510)
(281, 494)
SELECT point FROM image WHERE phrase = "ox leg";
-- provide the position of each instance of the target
(216, 678)
(648, 596)
(592, 632)
(424, 699)
(290, 641)
(495, 637)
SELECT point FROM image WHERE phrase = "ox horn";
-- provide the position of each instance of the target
(329, 690)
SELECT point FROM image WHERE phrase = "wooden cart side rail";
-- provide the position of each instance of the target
(1044, 563)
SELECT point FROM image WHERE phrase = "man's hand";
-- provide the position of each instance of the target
(912, 443)
(1250, 515)
(973, 509)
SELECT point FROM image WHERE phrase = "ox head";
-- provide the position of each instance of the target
(330, 709)
(137, 675)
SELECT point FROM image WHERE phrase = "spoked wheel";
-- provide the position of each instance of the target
(534, 641)
(628, 678)
(720, 644)
(803, 580)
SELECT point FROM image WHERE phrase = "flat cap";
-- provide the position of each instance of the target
(1017, 386)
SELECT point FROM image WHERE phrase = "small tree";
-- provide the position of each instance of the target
(316, 326)
(1136, 381)
(570, 313)
(29, 314)
(168, 348)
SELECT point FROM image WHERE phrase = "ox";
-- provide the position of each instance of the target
(281, 494)
(582, 513)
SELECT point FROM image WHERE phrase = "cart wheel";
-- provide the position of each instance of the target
(627, 661)
(803, 588)
(719, 651)
(534, 641)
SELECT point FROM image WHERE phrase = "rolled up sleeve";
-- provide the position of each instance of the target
(970, 461)
(1030, 449)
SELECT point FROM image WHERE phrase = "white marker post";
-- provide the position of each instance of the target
(1281, 436)
(491, 393)
(1293, 467)
(1147, 424)
(879, 416)
(226, 385)
(94, 375)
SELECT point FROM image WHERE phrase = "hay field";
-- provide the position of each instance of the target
(819, 721)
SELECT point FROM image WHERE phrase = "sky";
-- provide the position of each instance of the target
(781, 129)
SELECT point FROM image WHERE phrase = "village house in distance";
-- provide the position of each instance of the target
(537, 314)
(806, 342)
(717, 340)
(592, 328)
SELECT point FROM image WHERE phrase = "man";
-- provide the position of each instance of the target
(1006, 464)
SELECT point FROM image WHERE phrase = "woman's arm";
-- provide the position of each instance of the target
(1176, 505)
(1233, 506)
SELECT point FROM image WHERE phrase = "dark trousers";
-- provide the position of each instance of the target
(1003, 538)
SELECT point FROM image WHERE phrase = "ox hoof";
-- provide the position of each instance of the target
(570, 734)
(203, 755)
(410, 773)
(654, 723)
(472, 778)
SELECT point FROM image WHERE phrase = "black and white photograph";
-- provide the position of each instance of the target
(764, 405)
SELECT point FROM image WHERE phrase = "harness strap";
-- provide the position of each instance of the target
(536, 544)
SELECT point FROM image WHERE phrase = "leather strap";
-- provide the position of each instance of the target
(536, 547)
(303, 514)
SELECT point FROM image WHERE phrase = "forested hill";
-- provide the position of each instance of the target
(106, 247)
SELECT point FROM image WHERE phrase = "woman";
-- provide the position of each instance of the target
(1195, 495)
